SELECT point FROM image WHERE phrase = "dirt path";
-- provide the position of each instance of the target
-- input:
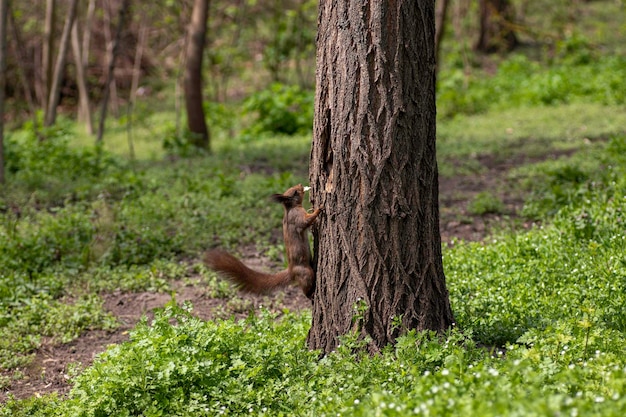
(52, 364)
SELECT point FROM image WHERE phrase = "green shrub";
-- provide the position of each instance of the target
(52, 170)
(279, 109)
(576, 182)
(486, 203)
(520, 82)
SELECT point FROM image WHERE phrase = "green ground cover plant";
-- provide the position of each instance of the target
(75, 222)
(516, 351)
(540, 330)
(521, 82)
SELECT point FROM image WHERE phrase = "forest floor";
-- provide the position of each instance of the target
(52, 365)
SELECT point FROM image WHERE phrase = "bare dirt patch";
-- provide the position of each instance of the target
(50, 370)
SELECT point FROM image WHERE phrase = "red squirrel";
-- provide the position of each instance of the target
(296, 221)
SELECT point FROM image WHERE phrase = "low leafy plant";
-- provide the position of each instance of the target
(520, 82)
(486, 203)
(52, 171)
(279, 109)
(23, 326)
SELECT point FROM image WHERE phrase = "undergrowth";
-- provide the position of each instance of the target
(540, 329)
(75, 221)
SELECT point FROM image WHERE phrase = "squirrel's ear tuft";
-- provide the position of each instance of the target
(278, 198)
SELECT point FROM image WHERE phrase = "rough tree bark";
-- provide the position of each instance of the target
(4, 12)
(196, 39)
(496, 33)
(59, 67)
(374, 172)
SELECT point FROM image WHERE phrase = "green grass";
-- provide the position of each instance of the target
(528, 130)
(515, 350)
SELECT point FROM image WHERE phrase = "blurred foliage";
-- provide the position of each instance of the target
(279, 109)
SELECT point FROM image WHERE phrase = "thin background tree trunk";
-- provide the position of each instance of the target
(91, 8)
(496, 33)
(143, 28)
(441, 13)
(112, 100)
(48, 47)
(18, 48)
(59, 67)
(374, 172)
(196, 40)
(123, 13)
(84, 111)
(4, 11)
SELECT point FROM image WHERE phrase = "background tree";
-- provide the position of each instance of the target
(59, 67)
(496, 33)
(121, 22)
(4, 12)
(84, 111)
(374, 172)
(47, 51)
(18, 52)
(196, 40)
(441, 13)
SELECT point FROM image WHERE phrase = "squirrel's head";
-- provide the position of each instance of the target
(291, 198)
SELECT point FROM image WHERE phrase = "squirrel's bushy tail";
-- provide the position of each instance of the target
(247, 279)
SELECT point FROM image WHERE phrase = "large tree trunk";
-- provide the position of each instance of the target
(193, 74)
(496, 33)
(4, 12)
(374, 172)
